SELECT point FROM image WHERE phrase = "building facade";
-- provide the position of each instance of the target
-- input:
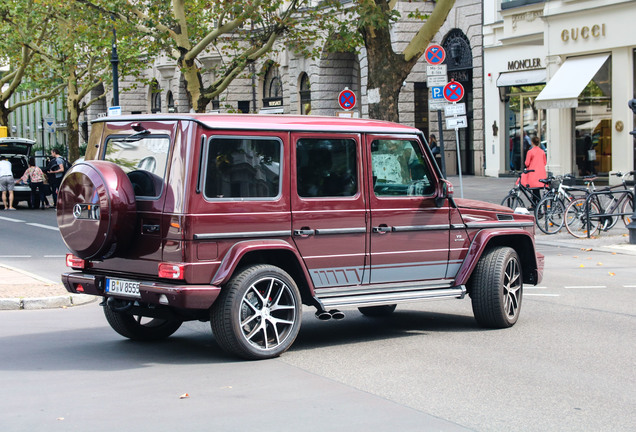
(288, 84)
(562, 70)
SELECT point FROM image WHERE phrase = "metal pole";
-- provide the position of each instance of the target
(115, 62)
(459, 164)
(631, 227)
(441, 142)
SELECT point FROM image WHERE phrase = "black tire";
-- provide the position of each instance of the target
(627, 207)
(139, 328)
(245, 324)
(550, 215)
(377, 311)
(496, 288)
(576, 218)
(513, 201)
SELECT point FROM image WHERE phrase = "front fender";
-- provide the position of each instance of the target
(521, 241)
(240, 249)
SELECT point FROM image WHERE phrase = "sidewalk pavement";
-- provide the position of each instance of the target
(24, 290)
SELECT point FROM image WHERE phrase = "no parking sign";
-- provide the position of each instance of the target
(453, 91)
(347, 99)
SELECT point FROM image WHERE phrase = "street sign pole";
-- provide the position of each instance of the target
(459, 164)
(441, 142)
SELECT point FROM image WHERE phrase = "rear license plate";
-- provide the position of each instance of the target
(122, 287)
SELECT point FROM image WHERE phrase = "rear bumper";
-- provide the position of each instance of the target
(179, 296)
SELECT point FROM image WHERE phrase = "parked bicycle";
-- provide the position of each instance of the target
(600, 210)
(550, 211)
(521, 195)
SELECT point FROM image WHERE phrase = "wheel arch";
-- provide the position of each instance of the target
(278, 253)
(521, 241)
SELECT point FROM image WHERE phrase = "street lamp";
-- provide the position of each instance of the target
(114, 59)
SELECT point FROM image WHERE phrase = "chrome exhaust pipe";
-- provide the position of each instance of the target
(323, 315)
(336, 314)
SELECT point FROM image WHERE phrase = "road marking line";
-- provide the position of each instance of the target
(535, 287)
(11, 219)
(15, 256)
(44, 226)
(54, 256)
(586, 287)
(541, 295)
(629, 286)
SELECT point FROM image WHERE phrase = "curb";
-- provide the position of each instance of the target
(45, 302)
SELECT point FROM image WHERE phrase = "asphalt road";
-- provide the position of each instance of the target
(567, 365)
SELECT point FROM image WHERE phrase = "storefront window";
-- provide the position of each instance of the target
(593, 125)
(523, 122)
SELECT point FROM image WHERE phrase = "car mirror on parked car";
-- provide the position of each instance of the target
(446, 190)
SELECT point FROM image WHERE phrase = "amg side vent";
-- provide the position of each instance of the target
(505, 217)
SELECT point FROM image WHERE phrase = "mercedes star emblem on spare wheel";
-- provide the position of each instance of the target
(86, 211)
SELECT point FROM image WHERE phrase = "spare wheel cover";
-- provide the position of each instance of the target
(96, 209)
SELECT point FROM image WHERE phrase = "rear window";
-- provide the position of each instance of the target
(13, 148)
(243, 168)
(143, 160)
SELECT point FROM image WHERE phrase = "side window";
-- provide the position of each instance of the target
(326, 167)
(243, 168)
(399, 169)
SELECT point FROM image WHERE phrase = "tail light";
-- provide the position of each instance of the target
(172, 270)
(74, 262)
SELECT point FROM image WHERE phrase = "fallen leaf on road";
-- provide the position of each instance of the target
(60, 418)
(586, 249)
(575, 256)
(184, 396)
(581, 266)
(599, 263)
(612, 274)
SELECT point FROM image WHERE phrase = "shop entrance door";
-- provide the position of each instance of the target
(523, 122)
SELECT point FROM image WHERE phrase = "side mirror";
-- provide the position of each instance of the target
(445, 191)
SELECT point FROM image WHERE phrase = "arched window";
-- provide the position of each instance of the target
(273, 88)
(169, 102)
(305, 95)
(155, 98)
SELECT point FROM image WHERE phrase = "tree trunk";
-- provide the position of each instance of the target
(72, 106)
(4, 118)
(387, 72)
(194, 85)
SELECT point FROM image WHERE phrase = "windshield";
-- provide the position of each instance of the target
(14, 148)
(144, 161)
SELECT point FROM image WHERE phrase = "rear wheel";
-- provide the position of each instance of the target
(576, 218)
(549, 215)
(377, 311)
(258, 314)
(140, 328)
(496, 288)
(513, 201)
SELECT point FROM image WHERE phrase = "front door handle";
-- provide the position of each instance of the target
(304, 232)
(382, 229)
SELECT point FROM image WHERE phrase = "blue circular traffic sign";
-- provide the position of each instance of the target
(453, 91)
(435, 54)
(347, 99)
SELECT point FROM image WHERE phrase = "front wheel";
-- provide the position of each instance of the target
(627, 207)
(549, 214)
(576, 218)
(258, 314)
(140, 328)
(512, 201)
(496, 288)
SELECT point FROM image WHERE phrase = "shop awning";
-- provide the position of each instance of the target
(564, 88)
(522, 78)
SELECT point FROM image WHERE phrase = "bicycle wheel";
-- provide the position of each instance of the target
(606, 204)
(627, 207)
(513, 201)
(549, 214)
(576, 218)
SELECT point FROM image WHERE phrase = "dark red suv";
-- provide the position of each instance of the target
(242, 219)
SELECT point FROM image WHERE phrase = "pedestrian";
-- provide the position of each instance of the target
(35, 177)
(56, 168)
(437, 154)
(535, 161)
(7, 182)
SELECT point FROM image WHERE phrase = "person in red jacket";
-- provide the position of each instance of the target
(536, 161)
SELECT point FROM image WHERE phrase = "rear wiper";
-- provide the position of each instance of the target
(136, 136)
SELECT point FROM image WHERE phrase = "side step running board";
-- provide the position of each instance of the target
(393, 297)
